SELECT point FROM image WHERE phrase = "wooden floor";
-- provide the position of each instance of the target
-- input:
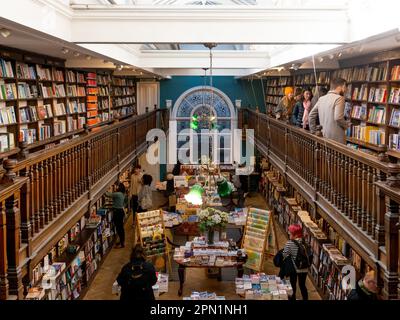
(196, 279)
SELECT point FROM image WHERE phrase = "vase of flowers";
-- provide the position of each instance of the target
(211, 218)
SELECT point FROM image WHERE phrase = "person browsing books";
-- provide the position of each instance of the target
(297, 253)
(137, 277)
(118, 205)
(145, 196)
(330, 112)
(134, 188)
(366, 289)
(302, 110)
(284, 109)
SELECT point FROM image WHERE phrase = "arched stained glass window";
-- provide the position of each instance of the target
(205, 102)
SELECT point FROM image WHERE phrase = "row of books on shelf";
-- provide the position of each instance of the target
(7, 115)
(273, 99)
(53, 91)
(368, 134)
(360, 93)
(6, 70)
(76, 124)
(276, 91)
(123, 91)
(377, 114)
(103, 80)
(394, 142)
(104, 104)
(125, 111)
(7, 141)
(281, 81)
(103, 91)
(323, 77)
(363, 73)
(25, 71)
(378, 94)
(75, 77)
(75, 91)
(27, 91)
(118, 102)
(394, 96)
(395, 74)
(8, 91)
(123, 82)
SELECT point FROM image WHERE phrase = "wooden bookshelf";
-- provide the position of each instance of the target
(123, 96)
(45, 102)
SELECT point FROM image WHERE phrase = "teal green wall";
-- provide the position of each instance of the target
(250, 92)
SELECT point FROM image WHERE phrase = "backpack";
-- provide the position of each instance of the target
(304, 255)
(136, 277)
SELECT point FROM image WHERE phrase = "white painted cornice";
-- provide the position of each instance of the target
(59, 6)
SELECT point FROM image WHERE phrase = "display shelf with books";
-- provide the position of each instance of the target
(123, 96)
(151, 232)
(67, 271)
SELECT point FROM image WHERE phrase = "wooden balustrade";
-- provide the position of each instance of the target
(349, 188)
(45, 194)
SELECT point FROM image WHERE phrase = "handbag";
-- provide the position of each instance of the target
(278, 259)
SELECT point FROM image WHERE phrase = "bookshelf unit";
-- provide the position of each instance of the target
(42, 103)
(275, 87)
(69, 267)
(123, 97)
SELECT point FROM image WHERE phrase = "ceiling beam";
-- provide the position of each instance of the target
(242, 25)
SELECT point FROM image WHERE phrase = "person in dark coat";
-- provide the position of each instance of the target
(137, 277)
(302, 109)
(366, 289)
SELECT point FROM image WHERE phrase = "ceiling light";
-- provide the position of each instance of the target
(64, 50)
(76, 54)
(120, 67)
(340, 54)
(5, 32)
(321, 59)
(331, 56)
(106, 61)
(88, 58)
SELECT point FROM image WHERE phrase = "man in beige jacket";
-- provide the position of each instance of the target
(330, 111)
(134, 188)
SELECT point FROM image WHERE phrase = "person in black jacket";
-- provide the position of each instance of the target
(365, 289)
(137, 277)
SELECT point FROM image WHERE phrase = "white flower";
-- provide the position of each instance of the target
(217, 219)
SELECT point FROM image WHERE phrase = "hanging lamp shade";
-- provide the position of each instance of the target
(194, 123)
(224, 188)
(195, 195)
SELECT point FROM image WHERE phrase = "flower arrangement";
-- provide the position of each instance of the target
(210, 218)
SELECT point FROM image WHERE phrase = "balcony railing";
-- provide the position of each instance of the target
(43, 195)
(355, 192)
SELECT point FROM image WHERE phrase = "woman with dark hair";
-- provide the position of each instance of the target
(296, 254)
(137, 277)
(302, 110)
(118, 198)
(145, 194)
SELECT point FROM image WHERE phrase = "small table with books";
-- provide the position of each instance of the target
(199, 254)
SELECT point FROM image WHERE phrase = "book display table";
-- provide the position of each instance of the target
(199, 254)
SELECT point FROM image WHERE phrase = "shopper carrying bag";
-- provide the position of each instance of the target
(297, 259)
(137, 277)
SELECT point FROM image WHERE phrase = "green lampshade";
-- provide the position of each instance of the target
(195, 195)
(194, 123)
(224, 188)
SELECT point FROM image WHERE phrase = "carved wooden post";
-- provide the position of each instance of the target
(3, 254)
(391, 277)
(9, 176)
(13, 244)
